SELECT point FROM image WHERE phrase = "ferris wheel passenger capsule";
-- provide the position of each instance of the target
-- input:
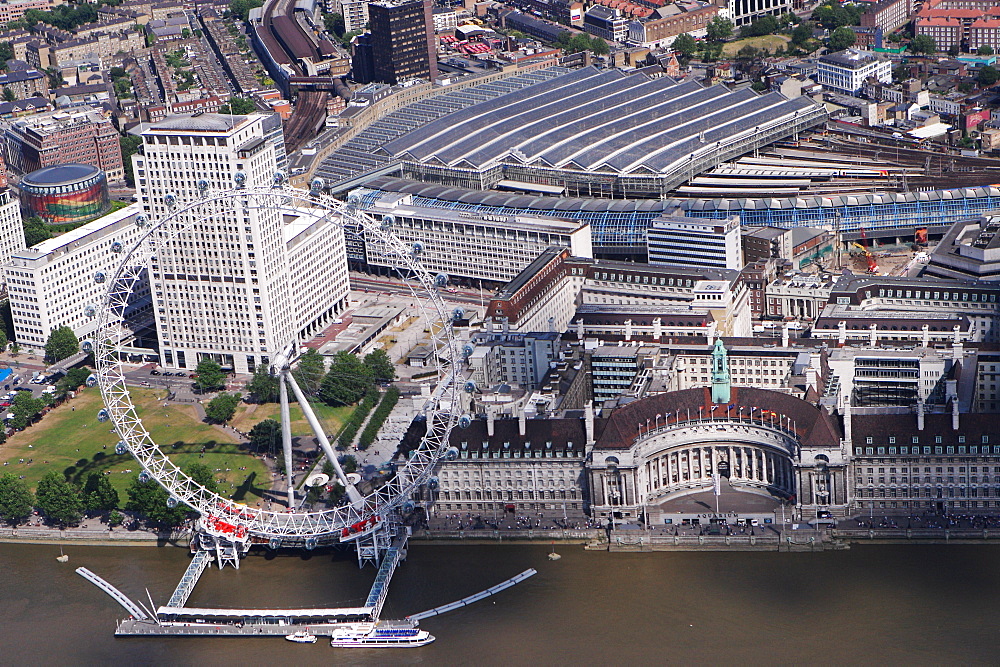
(89, 310)
(103, 415)
(465, 421)
(387, 222)
(141, 221)
(87, 346)
(202, 185)
(91, 379)
(316, 185)
(310, 543)
(274, 543)
(441, 280)
(470, 387)
(117, 247)
(279, 178)
(121, 448)
(458, 314)
(451, 454)
(172, 502)
(144, 477)
(433, 483)
(408, 507)
(170, 199)
(240, 179)
(99, 277)
(417, 249)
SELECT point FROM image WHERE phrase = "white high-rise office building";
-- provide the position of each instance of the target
(11, 231)
(52, 284)
(222, 288)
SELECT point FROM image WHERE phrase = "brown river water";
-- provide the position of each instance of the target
(913, 604)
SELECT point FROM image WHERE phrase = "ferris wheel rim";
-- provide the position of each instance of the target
(256, 522)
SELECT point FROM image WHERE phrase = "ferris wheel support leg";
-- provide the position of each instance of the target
(286, 441)
(352, 493)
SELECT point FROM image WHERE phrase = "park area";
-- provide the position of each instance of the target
(332, 418)
(769, 42)
(70, 439)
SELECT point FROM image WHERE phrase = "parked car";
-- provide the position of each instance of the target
(154, 372)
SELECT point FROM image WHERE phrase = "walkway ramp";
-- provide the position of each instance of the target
(192, 574)
(117, 595)
(464, 602)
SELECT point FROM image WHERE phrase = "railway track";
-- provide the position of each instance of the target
(309, 112)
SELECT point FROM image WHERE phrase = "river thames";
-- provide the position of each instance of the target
(871, 604)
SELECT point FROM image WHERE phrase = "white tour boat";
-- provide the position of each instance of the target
(402, 634)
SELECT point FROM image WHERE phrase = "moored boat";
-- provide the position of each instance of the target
(301, 637)
(385, 634)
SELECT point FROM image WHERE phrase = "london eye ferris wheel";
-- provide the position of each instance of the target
(362, 512)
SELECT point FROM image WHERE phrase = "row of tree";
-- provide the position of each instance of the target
(378, 418)
(346, 382)
(63, 502)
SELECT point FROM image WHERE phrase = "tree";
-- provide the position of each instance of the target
(923, 44)
(802, 33)
(380, 366)
(719, 29)
(765, 25)
(16, 499)
(150, 499)
(210, 375)
(685, 45)
(334, 23)
(123, 89)
(24, 408)
(61, 344)
(238, 106)
(74, 378)
(309, 371)
(222, 408)
(241, 8)
(263, 386)
(98, 494)
(8, 95)
(115, 518)
(842, 38)
(265, 436)
(985, 50)
(35, 230)
(117, 73)
(185, 33)
(130, 146)
(203, 475)
(6, 53)
(55, 77)
(346, 382)
(900, 73)
(58, 499)
(987, 76)
(598, 46)
(348, 463)
(747, 52)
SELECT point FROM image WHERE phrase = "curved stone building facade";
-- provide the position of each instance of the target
(762, 442)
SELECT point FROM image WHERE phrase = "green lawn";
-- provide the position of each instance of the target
(331, 418)
(71, 432)
(769, 42)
